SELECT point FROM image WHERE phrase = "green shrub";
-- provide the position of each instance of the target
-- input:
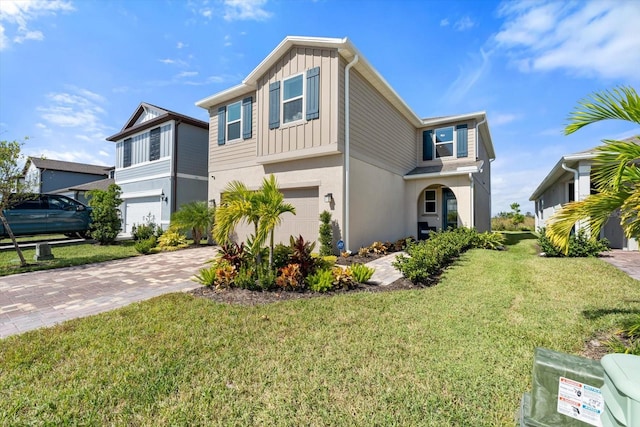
(145, 246)
(489, 240)
(580, 245)
(105, 216)
(361, 272)
(320, 281)
(206, 276)
(281, 255)
(325, 235)
(325, 262)
(246, 278)
(266, 277)
(171, 240)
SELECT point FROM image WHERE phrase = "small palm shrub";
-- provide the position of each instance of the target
(206, 276)
(144, 246)
(580, 245)
(290, 278)
(361, 273)
(321, 280)
(172, 240)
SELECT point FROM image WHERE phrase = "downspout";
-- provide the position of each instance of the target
(174, 167)
(576, 189)
(473, 221)
(347, 151)
(472, 183)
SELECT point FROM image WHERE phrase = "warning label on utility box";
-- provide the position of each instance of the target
(580, 401)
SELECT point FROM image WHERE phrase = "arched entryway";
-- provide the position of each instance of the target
(437, 210)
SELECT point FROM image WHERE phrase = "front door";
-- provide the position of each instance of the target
(450, 207)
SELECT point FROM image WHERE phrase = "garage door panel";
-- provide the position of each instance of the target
(137, 211)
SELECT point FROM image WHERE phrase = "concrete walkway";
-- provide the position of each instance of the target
(43, 298)
(627, 261)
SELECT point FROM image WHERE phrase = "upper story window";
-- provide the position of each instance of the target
(126, 153)
(445, 142)
(235, 121)
(300, 98)
(154, 144)
(292, 106)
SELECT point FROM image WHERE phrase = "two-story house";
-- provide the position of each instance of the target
(337, 137)
(161, 164)
(570, 180)
(51, 176)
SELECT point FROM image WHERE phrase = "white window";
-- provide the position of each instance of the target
(292, 99)
(444, 142)
(430, 201)
(234, 121)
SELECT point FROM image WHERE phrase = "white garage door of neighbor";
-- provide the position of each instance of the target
(137, 211)
(307, 218)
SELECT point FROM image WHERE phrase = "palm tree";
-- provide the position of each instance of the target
(196, 217)
(616, 170)
(271, 208)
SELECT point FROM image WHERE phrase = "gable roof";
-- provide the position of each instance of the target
(59, 165)
(348, 51)
(102, 184)
(164, 115)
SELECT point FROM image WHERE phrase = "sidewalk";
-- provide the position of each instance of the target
(43, 298)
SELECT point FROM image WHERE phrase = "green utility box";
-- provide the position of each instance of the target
(566, 391)
(621, 390)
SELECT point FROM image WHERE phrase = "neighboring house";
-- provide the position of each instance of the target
(79, 192)
(48, 176)
(570, 180)
(337, 137)
(161, 164)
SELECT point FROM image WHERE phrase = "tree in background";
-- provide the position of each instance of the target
(516, 217)
(105, 215)
(12, 189)
(196, 217)
(615, 171)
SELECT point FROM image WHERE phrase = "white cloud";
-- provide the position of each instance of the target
(68, 155)
(246, 10)
(503, 118)
(595, 38)
(20, 13)
(468, 77)
(181, 45)
(206, 12)
(464, 24)
(187, 74)
(41, 125)
(178, 62)
(444, 22)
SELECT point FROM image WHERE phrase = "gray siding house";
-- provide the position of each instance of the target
(161, 164)
(337, 137)
(50, 176)
(570, 180)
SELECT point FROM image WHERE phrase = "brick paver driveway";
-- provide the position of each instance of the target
(43, 298)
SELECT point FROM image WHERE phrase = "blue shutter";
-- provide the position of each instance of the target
(463, 145)
(274, 105)
(427, 145)
(247, 123)
(221, 124)
(313, 93)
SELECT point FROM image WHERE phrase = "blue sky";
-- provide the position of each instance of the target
(72, 72)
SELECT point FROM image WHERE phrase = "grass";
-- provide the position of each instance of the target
(459, 353)
(65, 256)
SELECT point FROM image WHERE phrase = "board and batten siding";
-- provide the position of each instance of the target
(148, 114)
(235, 154)
(140, 146)
(304, 134)
(379, 133)
(192, 150)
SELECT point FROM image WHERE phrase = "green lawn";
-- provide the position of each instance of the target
(459, 353)
(65, 256)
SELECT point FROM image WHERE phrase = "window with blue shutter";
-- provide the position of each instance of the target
(427, 145)
(154, 144)
(221, 124)
(313, 93)
(462, 141)
(247, 123)
(126, 153)
(274, 105)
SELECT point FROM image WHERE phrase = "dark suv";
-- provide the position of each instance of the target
(48, 214)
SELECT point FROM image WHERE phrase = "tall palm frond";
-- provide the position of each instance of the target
(194, 216)
(271, 209)
(621, 103)
(238, 204)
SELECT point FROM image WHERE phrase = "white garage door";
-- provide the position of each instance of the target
(139, 210)
(307, 218)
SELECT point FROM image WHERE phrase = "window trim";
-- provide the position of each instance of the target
(452, 142)
(435, 202)
(302, 98)
(227, 122)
